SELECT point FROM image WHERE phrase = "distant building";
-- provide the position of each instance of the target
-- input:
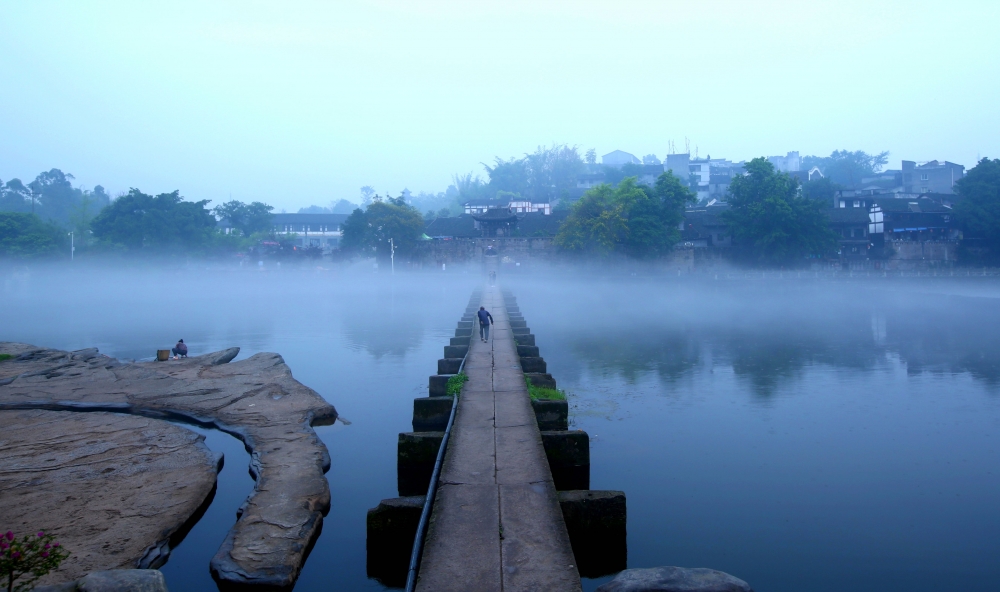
(703, 228)
(931, 177)
(618, 158)
(806, 176)
(516, 205)
(316, 230)
(787, 163)
(304, 230)
(710, 177)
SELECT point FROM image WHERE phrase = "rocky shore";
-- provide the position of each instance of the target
(255, 399)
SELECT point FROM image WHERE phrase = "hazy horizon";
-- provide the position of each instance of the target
(305, 104)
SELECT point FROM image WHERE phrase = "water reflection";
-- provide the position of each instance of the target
(769, 352)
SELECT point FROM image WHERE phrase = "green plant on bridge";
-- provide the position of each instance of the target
(454, 386)
(5, 357)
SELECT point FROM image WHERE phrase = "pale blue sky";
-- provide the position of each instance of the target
(304, 102)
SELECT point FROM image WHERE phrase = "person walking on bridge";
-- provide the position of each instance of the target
(485, 320)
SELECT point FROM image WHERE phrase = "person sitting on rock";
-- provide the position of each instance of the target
(180, 350)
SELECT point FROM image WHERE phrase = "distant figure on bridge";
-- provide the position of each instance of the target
(493, 278)
(485, 320)
(180, 350)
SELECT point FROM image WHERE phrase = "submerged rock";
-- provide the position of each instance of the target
(255, 399)
(675, 579)
(123, 580)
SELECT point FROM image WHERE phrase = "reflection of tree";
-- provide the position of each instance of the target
(951, 335)
(382, 332)
(670, 353)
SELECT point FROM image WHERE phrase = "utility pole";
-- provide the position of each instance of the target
(72, 247)
(392, 256)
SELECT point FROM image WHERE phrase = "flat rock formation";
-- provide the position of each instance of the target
(114, 580)
(255, 399)
(116, 489)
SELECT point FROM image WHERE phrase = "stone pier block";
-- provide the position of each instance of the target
(430, 414)
(526, 351)
(416, 453)
(437, 386)
(516, 331)
(527, 339)
(533, 364)
(568, 453)
(392, 525)
(450, 365)
(455, 351)
(517, 324)
(550, 415)
(541, 379)
(513, 310)
(461, 340)
(596, 523)
(463, 332)
(465, 324)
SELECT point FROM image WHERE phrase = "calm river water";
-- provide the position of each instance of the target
(802, 435)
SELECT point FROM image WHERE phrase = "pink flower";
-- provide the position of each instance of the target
(16, 555)
(56, 544)
(9, 535)
(45, 553)
(3, 545)
(46, 546)
(40, 533)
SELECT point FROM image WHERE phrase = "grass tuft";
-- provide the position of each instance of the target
(540, 393)
(455, 383)
(5, 357)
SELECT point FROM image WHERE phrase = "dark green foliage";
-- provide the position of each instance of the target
(368, 231)
(248, 218)
(25, 235)
(632, 219)
(53, 198)
(847, 168)
(5, 357)
(544, 175)
(978, 206)
(770, 222)
(454, 386)
(137, 221)
(821, 190)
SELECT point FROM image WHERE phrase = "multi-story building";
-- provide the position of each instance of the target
(931, 177)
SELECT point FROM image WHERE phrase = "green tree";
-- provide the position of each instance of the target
(978, 206)
(342, 206)
(368, 231)
(248, 218)
(632, 219)
(138, 221)
(25, 235)
(15, 197)
(822, 189)
(848, 168)
(770, 222)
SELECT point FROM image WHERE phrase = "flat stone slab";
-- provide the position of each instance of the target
(675, 579)
(255, 399)
(117, 490)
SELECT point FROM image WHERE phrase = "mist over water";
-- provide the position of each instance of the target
(799, 434)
